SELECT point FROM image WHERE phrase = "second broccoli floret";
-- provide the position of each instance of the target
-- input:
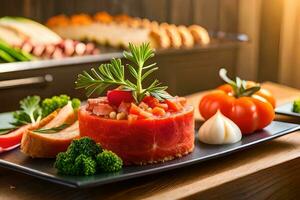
(108, 161)
(85, 146)
(85, 165)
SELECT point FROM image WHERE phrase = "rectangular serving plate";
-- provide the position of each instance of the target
(286, 109)
(43, 168)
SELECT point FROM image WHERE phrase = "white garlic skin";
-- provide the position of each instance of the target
(219, 130)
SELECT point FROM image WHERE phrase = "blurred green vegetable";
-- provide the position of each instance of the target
(296, 106)
(5, 57)
(13, 54)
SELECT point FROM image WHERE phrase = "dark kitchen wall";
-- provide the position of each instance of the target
(212, 14)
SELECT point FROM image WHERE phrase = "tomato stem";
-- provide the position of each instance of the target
(239, 86)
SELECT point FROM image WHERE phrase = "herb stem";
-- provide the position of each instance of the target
(138, 81)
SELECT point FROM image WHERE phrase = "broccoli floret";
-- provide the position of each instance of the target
(65, 164)
(85, 146)
(51, 104)
(79, 159)
(75, 103)
(296, 106)
(85, 157)
(108, 161)
(81, 165)
(85, 165)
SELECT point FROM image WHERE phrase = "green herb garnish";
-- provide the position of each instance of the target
(30, 112)
(112, 74)
(52, 130)
(32, 109)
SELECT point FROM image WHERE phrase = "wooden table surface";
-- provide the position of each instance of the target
(269, 170)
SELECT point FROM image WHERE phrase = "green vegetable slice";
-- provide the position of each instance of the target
(14, 52)
(6, 57)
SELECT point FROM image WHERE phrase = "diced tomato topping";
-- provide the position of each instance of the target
(142, 114)
(132, 117)
(93, 102)
(158, 111)
(143, 105)
(116, 97)
(150, 101)
(134, 109)
(174, 105)
(153, 102)
(102, 109)
(163, 106)
(124, 107)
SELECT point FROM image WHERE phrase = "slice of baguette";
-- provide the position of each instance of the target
(48, 145)
(37, 145)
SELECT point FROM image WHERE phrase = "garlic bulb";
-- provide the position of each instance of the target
(219, 130)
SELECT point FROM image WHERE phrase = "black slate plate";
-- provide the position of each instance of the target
(286, 109)
(43, 168)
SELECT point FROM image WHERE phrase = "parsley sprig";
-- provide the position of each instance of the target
(112, 74)
(30, 111)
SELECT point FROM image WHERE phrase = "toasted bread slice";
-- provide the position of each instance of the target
(48, 145)
(39, 145)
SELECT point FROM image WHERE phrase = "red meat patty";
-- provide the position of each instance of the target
(142, 141)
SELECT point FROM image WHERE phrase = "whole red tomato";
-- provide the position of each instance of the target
(245, 103)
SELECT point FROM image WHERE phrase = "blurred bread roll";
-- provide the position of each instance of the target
(173, 34)
(186, 36)
(59, 20)
(199, 34)
(159, 38)
(81, 19)
(103, 17)
(123, 19)
(135, 22)
(145, 23)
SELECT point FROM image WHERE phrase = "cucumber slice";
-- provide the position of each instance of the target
(27, 55)
(12, 52)
(6, 57)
